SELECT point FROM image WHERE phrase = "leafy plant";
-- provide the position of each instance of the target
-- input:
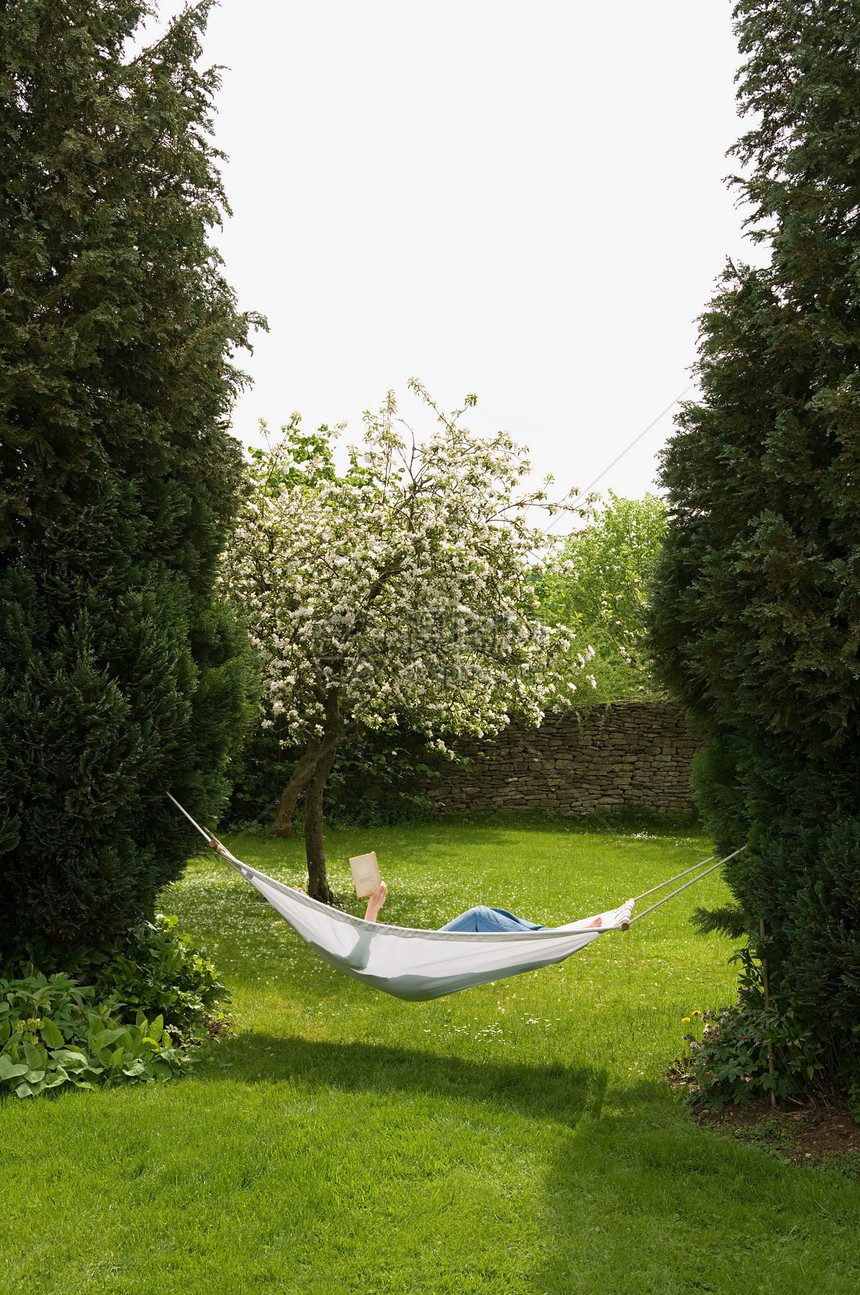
(839, 1166)
(55, 1033)
(749, 1048)
(156, 970)
(128, 1009)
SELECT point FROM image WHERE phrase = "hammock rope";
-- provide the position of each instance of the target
(677, 877)
(646, 911)
(417, 965)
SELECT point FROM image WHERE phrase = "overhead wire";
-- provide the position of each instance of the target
(583, 494)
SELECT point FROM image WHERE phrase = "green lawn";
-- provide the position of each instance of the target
(515, 1138)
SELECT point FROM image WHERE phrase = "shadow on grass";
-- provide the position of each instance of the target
(658, 1204)
(538, 1092)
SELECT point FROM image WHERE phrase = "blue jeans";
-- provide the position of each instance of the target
(489, 919)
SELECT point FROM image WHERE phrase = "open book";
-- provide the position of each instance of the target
(365, 874)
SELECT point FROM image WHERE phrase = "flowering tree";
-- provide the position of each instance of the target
(399, 588)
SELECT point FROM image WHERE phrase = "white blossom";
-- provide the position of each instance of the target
(403, 586)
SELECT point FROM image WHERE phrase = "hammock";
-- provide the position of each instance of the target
(418, 965)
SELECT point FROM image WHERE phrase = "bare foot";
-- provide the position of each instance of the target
(375, 902)
(598, 921)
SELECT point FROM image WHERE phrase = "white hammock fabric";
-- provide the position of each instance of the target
(418, 965)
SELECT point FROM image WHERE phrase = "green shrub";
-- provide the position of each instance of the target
(54, 1033)
(731, 1062)
(756, 613)
(801, 875)
(151, 969)
(126, 1010)
(156, 970)
(123, 673)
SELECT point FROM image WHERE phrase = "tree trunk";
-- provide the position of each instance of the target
(318, 887)
(310, 773)
(302, 771)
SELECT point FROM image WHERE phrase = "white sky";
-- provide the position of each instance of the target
(520, 198)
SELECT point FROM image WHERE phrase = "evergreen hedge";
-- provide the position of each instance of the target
(121, 676)
(756, 622)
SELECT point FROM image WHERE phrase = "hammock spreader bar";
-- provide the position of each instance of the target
(415, 964)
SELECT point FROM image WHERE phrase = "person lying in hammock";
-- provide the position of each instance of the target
(479, 918)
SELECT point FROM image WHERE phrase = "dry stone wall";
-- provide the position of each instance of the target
(629, 755)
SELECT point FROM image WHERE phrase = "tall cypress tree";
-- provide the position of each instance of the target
(757, 606)
(120, 677)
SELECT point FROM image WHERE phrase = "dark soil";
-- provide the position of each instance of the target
(804, 1135)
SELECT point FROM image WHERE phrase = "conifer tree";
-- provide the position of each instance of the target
(120, 676)
(757, 606)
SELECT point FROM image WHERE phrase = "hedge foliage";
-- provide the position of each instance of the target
(757, 607)
(121, 675)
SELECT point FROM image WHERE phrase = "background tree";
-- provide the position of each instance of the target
(757, 613)
(121, 676)
(596, 583)
(399, 590)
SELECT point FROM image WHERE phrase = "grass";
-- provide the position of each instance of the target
(516, 1139)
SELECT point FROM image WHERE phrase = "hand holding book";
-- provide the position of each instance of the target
(365, 874)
